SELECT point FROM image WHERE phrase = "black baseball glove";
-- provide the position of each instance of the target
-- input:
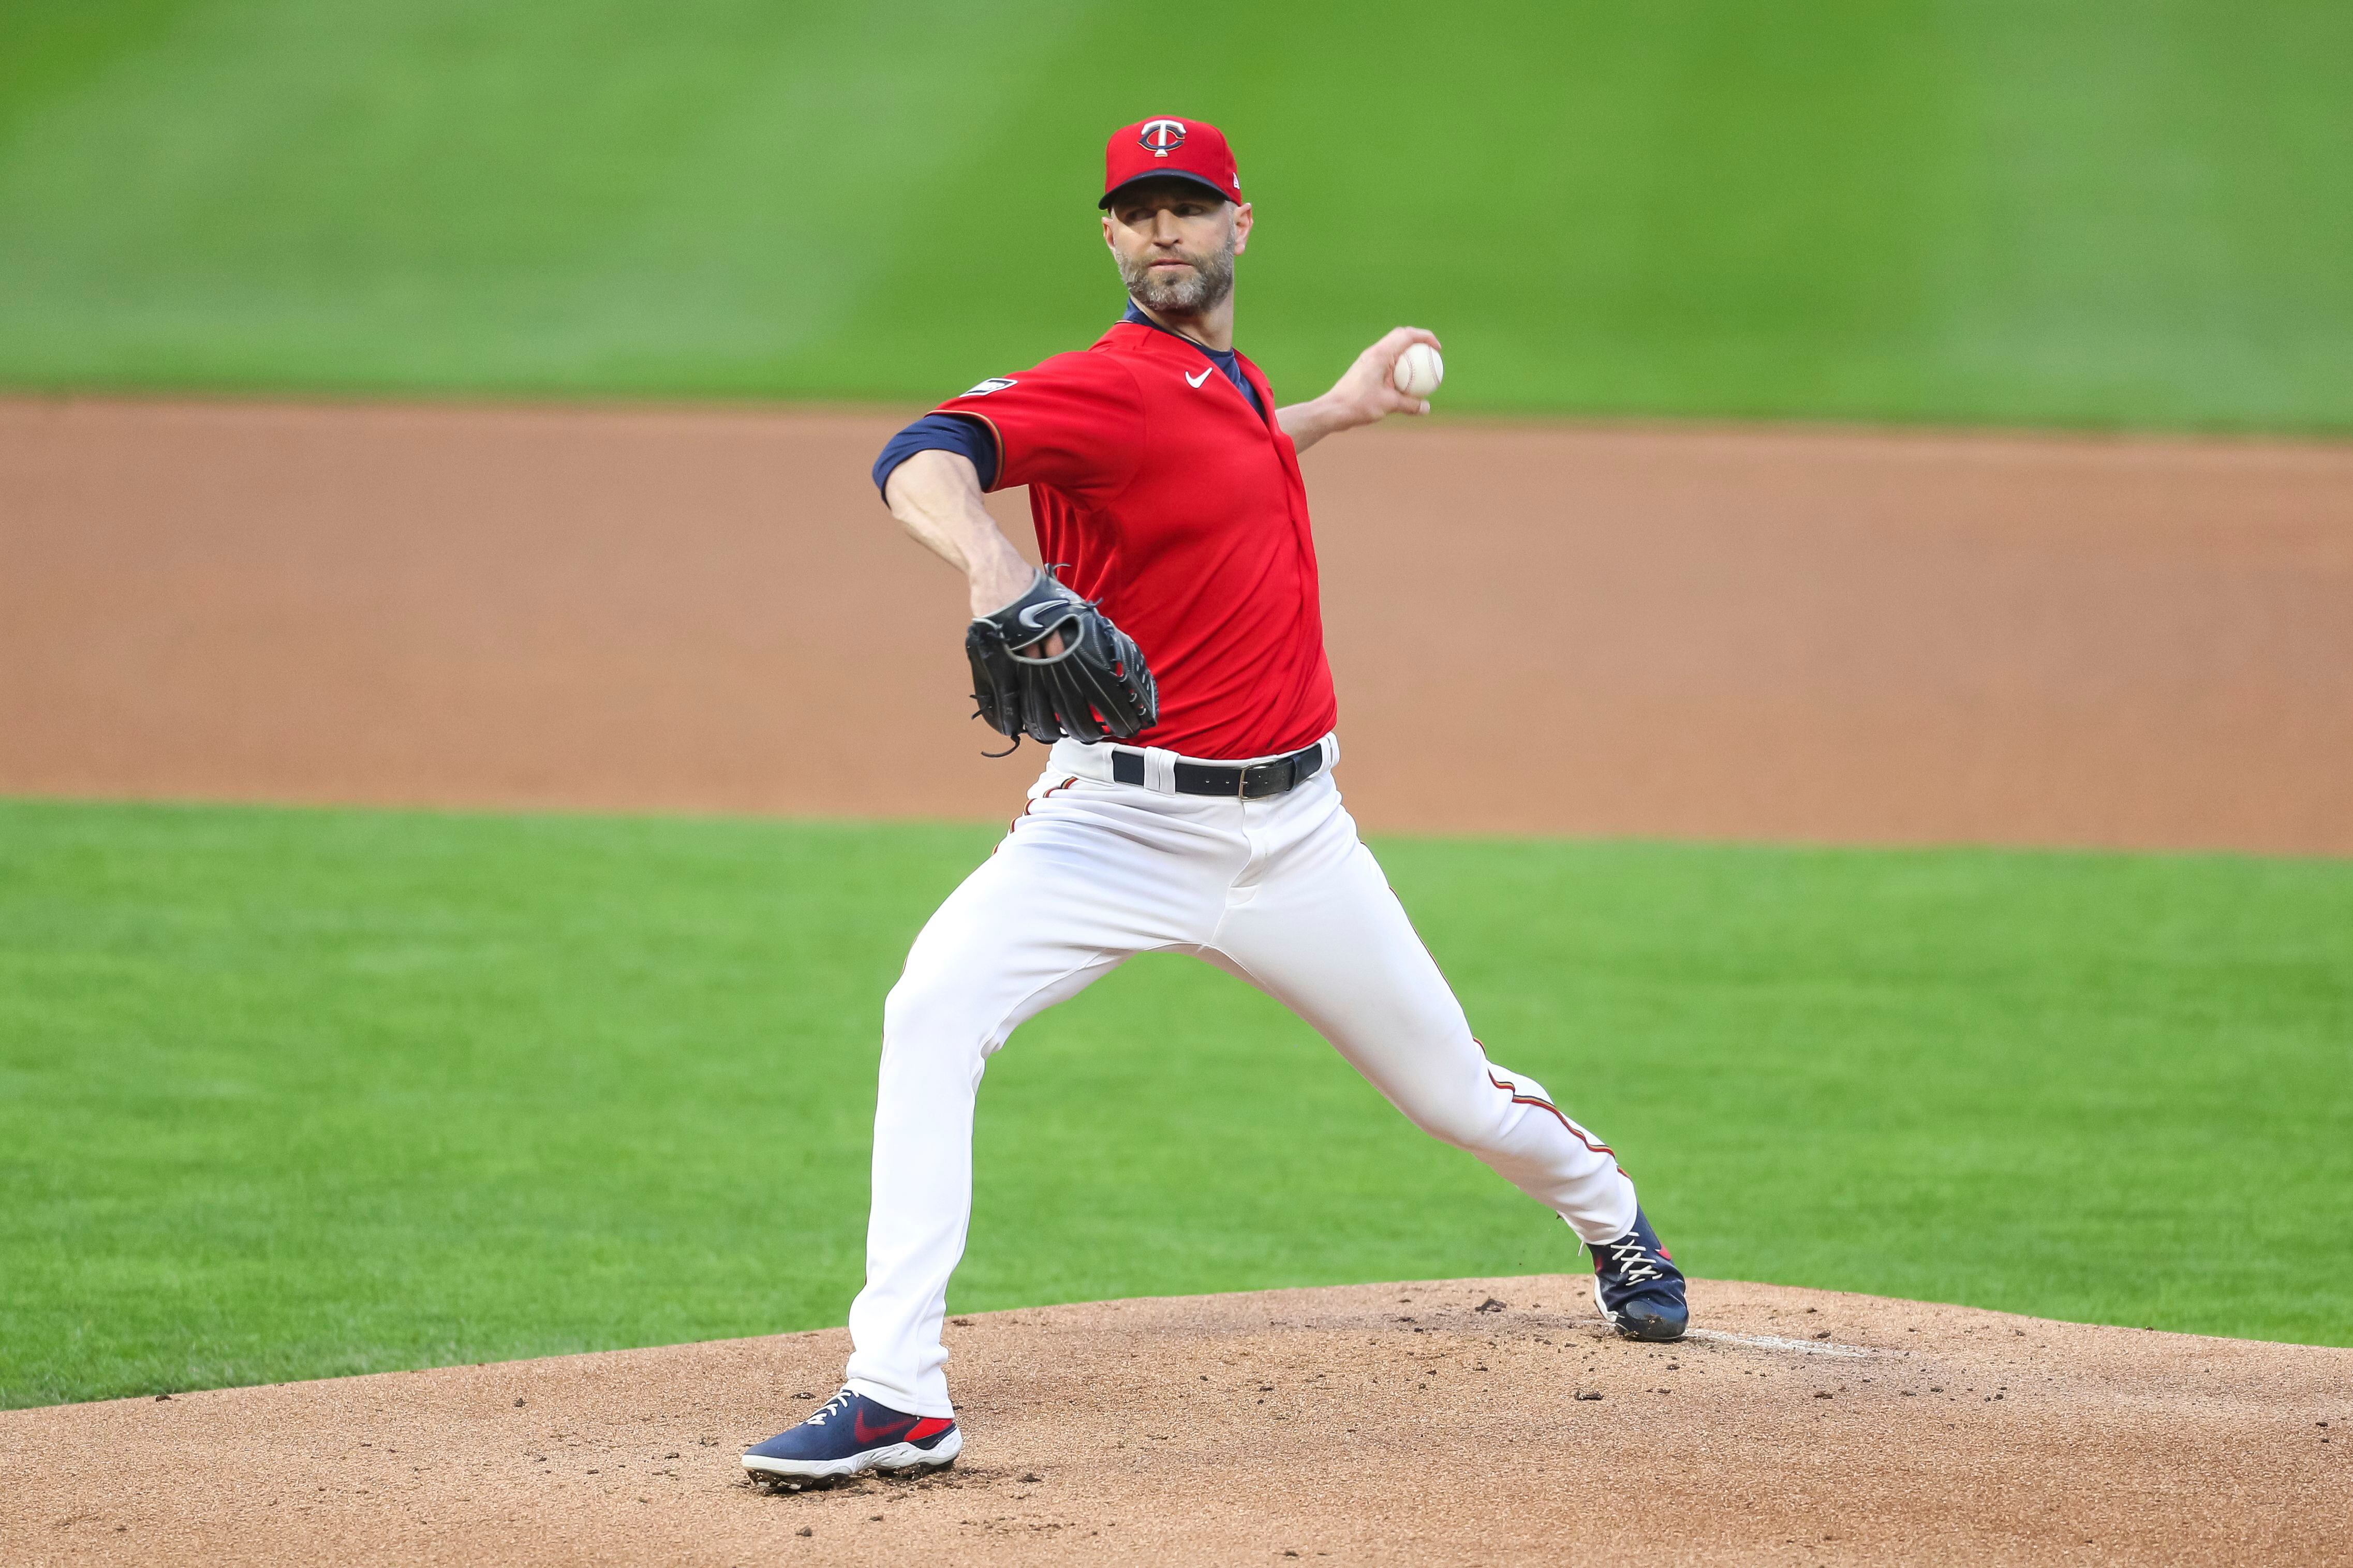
(1096, 686)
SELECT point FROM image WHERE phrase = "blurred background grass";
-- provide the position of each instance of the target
(2111, 212)
(293, 1093)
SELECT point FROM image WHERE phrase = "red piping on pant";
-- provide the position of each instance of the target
(1032, 806)
(1579, 1133)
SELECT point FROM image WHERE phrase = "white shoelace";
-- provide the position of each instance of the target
(1633, 1259)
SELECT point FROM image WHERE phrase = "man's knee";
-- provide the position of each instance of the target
(1472, 1122)
(1481, 1114)
(929, 1017)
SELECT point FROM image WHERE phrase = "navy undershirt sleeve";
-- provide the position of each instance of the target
(941, 433)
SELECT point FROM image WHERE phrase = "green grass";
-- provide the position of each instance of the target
(2111, 212)
(293, 1093)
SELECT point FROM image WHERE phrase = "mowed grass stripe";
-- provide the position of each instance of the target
(293, 1093)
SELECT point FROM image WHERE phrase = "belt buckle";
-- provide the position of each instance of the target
(1256, 772)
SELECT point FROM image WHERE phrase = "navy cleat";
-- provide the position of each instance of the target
(849, 1434)
(1638, 1287)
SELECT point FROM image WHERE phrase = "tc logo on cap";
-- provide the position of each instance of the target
(1161, 137)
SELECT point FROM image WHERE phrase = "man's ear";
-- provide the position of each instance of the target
(1242, 220)
(1107, 244)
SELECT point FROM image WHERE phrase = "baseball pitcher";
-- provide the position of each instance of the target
(1173, 662)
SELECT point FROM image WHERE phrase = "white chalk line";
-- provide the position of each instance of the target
(1776, 1342)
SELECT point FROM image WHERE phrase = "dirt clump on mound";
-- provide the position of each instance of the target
(1462, 1422)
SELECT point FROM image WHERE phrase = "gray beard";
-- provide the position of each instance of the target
(1192, 294)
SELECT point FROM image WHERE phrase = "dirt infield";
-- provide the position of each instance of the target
(1728, 634)
(1454, 1423)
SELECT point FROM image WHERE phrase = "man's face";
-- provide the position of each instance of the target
(1175, 244)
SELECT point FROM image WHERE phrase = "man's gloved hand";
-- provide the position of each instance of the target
(1094, 684)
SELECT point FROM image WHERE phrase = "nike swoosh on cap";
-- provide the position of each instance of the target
(1198, 380)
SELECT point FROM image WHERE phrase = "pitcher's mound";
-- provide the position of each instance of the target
(1464, 1422)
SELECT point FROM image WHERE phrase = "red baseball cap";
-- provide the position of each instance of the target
(1172, 149)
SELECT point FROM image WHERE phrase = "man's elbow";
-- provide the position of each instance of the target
(929, 478)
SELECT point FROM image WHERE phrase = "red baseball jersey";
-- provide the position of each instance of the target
(1181, 508)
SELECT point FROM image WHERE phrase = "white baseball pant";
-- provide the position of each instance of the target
(1278, 891)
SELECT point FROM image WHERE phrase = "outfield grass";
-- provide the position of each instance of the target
(2113, 212)
(292, 1093)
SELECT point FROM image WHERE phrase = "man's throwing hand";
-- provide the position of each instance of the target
(1367, 393)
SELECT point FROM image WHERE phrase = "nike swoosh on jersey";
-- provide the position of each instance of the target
(1198, 380)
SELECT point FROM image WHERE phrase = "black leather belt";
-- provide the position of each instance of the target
(1254, 781)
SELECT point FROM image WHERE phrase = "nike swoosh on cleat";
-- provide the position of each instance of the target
(1198, 380)
(868, 1436)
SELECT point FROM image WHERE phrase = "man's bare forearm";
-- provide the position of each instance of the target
(1308, 423)
(935, 496)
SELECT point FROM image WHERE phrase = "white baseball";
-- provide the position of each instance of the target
(1419, 370)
